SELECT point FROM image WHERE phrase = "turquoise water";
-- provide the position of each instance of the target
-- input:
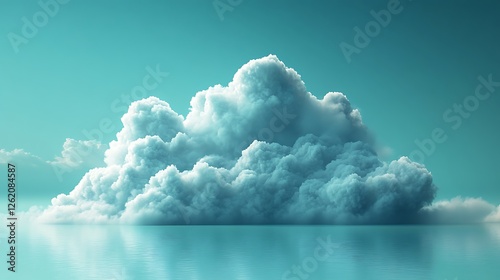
(256, 252)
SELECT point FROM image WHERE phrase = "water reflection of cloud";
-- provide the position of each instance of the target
(257, 252)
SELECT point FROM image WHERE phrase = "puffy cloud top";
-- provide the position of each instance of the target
(261, 150)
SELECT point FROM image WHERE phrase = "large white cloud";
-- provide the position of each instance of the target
(260, 150)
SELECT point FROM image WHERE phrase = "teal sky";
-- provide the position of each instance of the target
(427, 58)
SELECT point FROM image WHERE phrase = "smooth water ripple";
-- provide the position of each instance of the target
(256, 252)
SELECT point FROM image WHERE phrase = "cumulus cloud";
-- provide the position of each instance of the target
(77, 153)
(261, 150)
(459, 210)
(494, 216)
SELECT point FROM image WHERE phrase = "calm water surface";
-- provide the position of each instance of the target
(255, 252)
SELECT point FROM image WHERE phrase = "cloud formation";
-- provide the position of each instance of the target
(77, 154)
(459, 210)
(48, 178)
(261, 150)
(18, 155)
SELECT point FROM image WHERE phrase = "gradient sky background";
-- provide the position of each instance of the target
(92, 52)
